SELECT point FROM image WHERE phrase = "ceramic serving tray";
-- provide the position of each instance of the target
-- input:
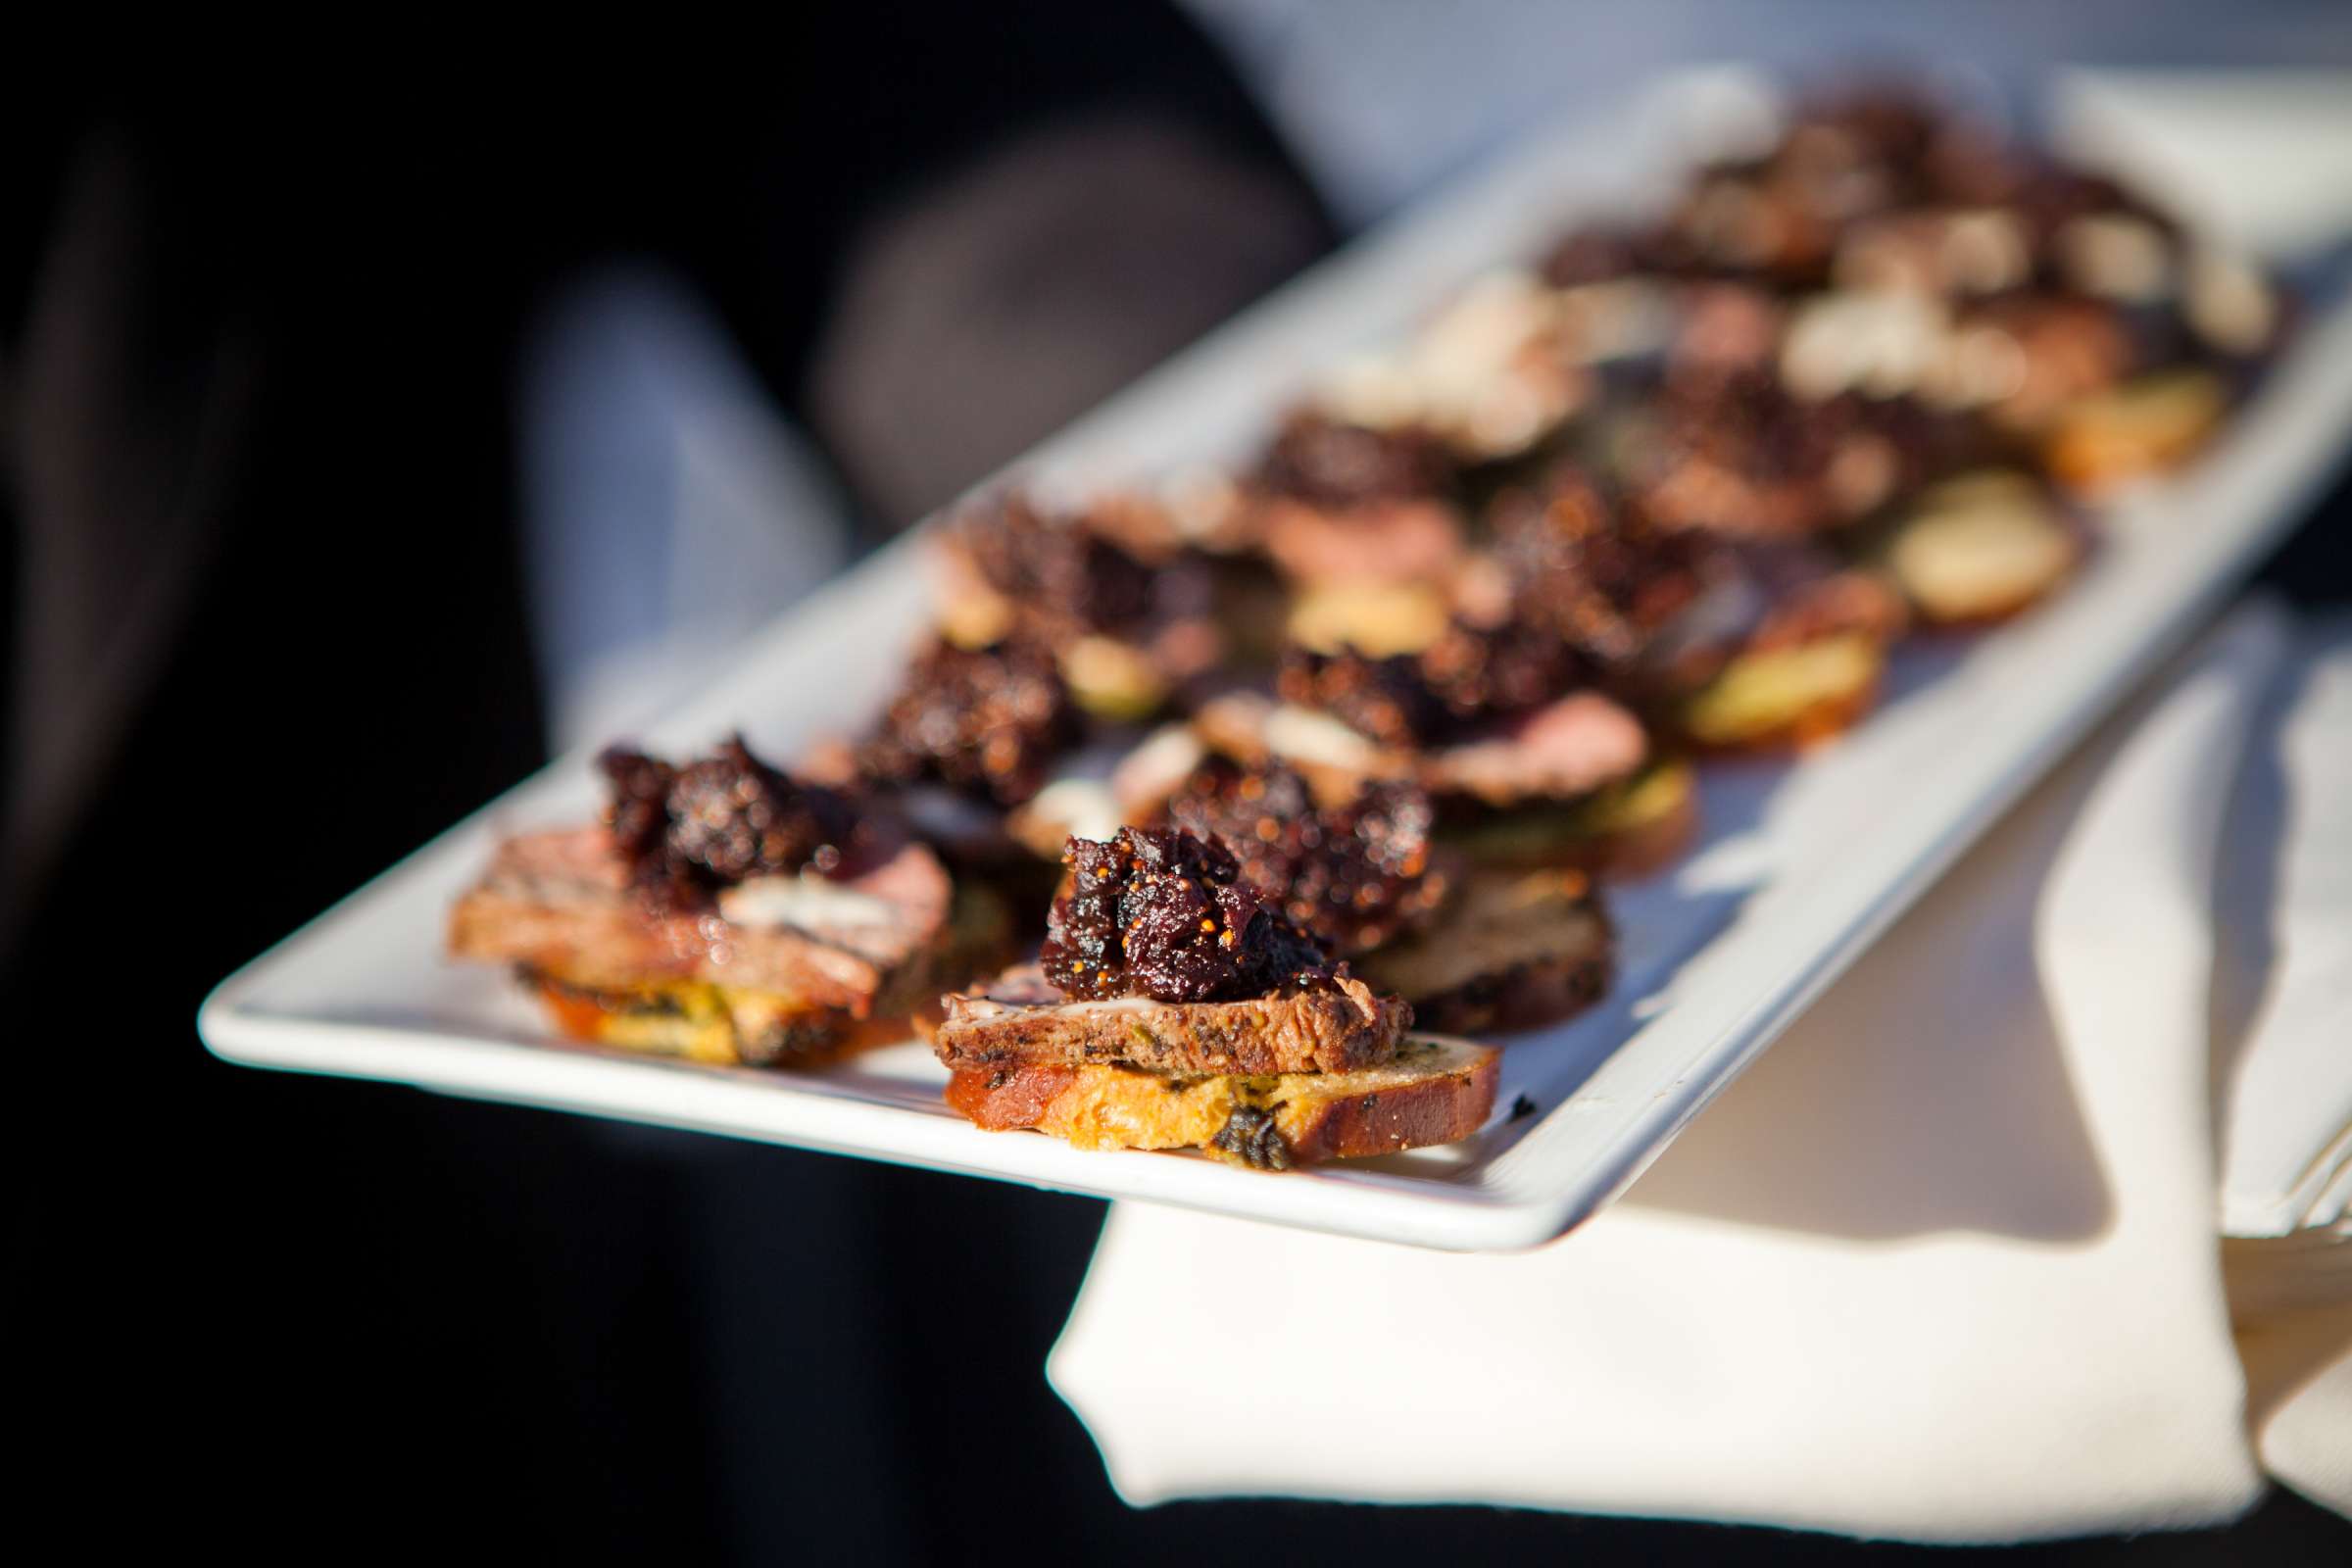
(1800, 867)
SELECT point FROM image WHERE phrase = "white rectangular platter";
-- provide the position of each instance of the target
(1800, 865)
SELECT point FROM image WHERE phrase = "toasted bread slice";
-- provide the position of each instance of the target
(723, 1025)
(1785, 697)
(1019, 1017)
(1376, 619)
(1112, 679)
(2128, 432)
(1432, 1092)
(1982, 548)
(1514, 949)
(1563, 751)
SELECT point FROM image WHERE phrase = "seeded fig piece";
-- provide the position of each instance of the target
(1165, 914)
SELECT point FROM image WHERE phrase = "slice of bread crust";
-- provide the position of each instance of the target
(1432, 1092)
(698, 1021)
(1640, 849)
(1790, 719)
(1979, 549)
(1019, 1017)
(2142, 428)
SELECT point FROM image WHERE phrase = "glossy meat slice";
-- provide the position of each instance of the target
(1018, 1018)
(561, 903)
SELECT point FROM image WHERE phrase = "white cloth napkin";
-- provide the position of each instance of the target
(2283, 1045)
(1942, 1265)
(2287, 924)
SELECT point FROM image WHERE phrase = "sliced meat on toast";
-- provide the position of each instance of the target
(561, 903)
(1809, 668)
(1338, 761)
(1568, 748)
(1020, 1019)
(1513, 951)
(1562, 750)
(1626, 830)
(733, 1025)
(1404, 540)
(1432, 1092)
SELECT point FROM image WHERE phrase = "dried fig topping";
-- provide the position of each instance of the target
(1045, 565)
(1165, 914)
(1739, 454)
(989, 720)
(720, 819)
(1596, 253)
(1384, 699)
(1355, 875)
(1483, 672)
(1593, 577)
(1470, 674)
(1329, 463)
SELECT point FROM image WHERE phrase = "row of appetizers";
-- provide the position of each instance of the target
(1287, 762)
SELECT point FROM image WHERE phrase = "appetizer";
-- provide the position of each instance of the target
(1345, 504)
(727, 912)
(1741, 454)
(1502, 724)
(1982, 547)
(985, 723)
(1883, 251)
(1471, 946)
(1727, 643)
(1125, 630)
(1494, 372)
(1174, 1006)
(970, 735)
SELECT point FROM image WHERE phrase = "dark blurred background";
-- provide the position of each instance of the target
(261, 336)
